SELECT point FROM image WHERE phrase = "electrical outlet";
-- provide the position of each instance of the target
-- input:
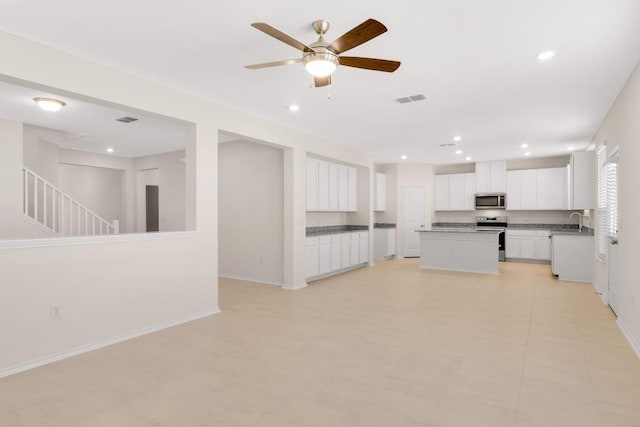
(55, 311)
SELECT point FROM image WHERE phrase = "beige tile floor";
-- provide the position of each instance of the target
(385, 346)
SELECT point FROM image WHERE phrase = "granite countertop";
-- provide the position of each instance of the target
(550, 227)
(334, 229)
(383, 225)
(586, 232)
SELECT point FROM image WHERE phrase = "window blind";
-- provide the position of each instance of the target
(612, 197)
(601, 232)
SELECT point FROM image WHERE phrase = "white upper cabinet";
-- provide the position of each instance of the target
(312, 184)
(454, 192)
(441, 196)
(521, 190)
(469, 191)
(498, 182)
(323, 185)
(381, 192)
(551, 189)
(352, 202)
(582, 180)
(331, 187)
(491, 177)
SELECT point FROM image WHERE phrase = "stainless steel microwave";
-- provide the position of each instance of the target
(490, 201)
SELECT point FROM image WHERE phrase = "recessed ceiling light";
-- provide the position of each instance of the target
(403, 157)
(294, 107)
(527, 153)
(546, 55)
(110, 150)
(571, 148)
(457, 138)
(468, 159)
(525, 145)
(49, 104)
(458, 151)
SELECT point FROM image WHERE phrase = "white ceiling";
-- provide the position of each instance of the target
(474, 60)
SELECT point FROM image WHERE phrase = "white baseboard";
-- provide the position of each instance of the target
(104, 343)
(635, 345)
(294, 287)
(248, 279)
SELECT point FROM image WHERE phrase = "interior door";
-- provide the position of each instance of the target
(412, 219)
(612, 270)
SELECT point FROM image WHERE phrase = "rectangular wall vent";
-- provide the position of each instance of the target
(412, 98)
(126, 119)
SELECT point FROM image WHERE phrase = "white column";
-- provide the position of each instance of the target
(294, 218)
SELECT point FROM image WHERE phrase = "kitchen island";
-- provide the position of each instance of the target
(459, 249)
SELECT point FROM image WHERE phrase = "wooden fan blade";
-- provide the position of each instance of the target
(322, 81)
(284, 38)
(369, 63)
(358, 35)
(273, 64)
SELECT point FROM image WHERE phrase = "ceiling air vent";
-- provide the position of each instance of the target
(412, 98)
(126, 119)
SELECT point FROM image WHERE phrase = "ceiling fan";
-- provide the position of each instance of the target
(321, 58)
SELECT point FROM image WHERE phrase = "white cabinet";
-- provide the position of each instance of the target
(551, 189)
(572, 257)
(312, 184)
(384, 244)
(454, 192)
(491, 177)
(528, 244)
(343, 188)
(355, 249)
(332, 253)
(324, 254)
(331, 187)
(323, 185)
(364, 246)
(352, 193)
(336, 252)
(582, 179)
(469, 191)
(381, 192)
(312, 256)
(346, 250)
(521, 189)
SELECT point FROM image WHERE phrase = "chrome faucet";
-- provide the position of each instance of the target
(579, 220)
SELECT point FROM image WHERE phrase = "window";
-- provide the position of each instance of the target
(601, 235)
(607, 198)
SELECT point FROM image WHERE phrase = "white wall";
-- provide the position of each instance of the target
(39, 155)
(99, 189)
(251, 209)
(160, 278)
(621, 127)
(171, 190)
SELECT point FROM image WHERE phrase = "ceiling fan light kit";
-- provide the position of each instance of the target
(321, 59)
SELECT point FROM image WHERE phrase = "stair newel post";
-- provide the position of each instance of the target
(116, 226)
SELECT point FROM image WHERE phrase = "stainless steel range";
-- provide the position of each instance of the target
(497, 223)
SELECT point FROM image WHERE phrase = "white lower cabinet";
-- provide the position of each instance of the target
(324, 255)
(334, 252)
(364, 246)
(572, 257)
(312, 256)
(528, 244)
